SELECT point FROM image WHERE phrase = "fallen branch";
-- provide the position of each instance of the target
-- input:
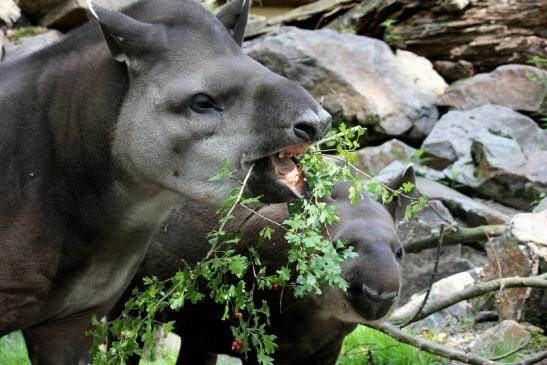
(473, 291)
(445, 351)
(300, 14)
(462, 235)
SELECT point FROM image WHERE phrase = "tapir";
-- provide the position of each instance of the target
(103, 133)
(309, 330)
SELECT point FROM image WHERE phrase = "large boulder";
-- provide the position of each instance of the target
(520, 251)
(517, 86)
(358, 78)
(493, 149)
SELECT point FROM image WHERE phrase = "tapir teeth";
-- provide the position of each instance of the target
(277, 170)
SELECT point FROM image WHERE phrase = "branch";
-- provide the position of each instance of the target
(446, 351)
(473, 291)
(462, 235)
(440, 242)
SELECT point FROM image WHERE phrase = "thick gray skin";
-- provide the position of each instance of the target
(310, 330)
(94, 153)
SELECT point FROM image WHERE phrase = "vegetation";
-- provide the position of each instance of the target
(366, 343)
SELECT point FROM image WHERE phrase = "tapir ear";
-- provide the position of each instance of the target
(234, 16)
(126, 37)
(398, 206)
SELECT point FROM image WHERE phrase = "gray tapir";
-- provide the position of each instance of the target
(104, 132)
(310, 330)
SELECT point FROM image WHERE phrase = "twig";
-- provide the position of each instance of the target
(463, 235)
(432, 279)
(333, 137)
(239, 195)
(255, 212)
(446, 351)
(539, 281)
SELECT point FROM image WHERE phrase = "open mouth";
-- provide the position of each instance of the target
(278, 177)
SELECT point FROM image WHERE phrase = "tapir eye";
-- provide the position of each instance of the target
(202, 103)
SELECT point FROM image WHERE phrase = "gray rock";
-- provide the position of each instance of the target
(440, 290)
(500, 153)
(507, 334)
(9, 12)
(358, 78)
(530, 227)
(454, 133)
(31, 44)
(473, 212)
(541, 206)
(515, 86)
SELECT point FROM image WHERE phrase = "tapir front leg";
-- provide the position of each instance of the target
(61, 342)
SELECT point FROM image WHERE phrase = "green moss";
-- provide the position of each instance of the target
(18, 34)
(13, 350)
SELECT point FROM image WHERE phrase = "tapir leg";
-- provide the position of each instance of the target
(60, 342)
(327, 355)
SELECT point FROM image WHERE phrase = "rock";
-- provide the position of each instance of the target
(27, 45)
(473, 212)
(67, 15)
(454, 133)
(530, 227)
(374, 159)
(519, 87)
(452, 71)
(362, 81)
(496, 151)
(508, 335)
(541, 206)
(440, 290)
(452, 6)
(35, 9)
(9, 12)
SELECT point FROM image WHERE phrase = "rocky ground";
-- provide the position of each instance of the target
(479, 145)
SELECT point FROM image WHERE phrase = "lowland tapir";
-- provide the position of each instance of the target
(106, 131)
(309, 330)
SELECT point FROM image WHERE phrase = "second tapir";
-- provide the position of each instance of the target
(309, 330)
(104, 132)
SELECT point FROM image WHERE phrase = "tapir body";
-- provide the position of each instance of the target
(309, 330)
(104, 132)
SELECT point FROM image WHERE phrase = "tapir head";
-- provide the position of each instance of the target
(374, 276)
(195, 99)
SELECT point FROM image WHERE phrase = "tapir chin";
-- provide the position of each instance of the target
(106, 131)
(309, 330)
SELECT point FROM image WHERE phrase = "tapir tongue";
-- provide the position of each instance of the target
(286, 170)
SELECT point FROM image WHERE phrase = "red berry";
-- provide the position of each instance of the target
(238, 315)
(276, 286)
(236, 345)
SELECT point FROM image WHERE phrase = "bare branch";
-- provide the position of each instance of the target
(462, 235)
(473, 291)
(445, 351)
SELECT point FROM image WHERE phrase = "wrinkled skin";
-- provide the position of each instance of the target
(106, 131)
(309, 330)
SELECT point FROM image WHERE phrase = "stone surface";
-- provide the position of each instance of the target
(9, 12)
(541, 206)
(508, 334)
(530, 227)
(28, 45)
(496, 151)
(473, 212)
(515, 86)
(362, 80)
(440, 290)
(452, 71)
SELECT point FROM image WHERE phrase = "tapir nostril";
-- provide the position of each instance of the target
(307, 131)
(378, 296)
